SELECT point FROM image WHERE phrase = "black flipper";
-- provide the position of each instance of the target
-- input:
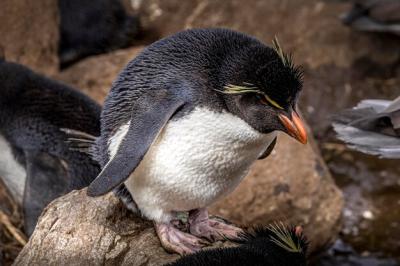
(268, 151)
(146, 123)
(47, 179)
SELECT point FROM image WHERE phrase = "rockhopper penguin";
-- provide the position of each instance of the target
(374, 16)
(185, 120)
(273, 245)
(372, 127)
(36, 162)
(90, 27)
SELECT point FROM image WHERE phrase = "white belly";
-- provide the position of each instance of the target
(11, 172)
(195, 161)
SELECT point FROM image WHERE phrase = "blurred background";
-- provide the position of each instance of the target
(86, 44)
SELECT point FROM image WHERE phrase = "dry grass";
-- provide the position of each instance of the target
(12, 238)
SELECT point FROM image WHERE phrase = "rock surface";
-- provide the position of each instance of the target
(29, 33)
(95, 74)
(294, 22)
(79, 230)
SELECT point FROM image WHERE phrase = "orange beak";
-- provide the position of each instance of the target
(295, 127)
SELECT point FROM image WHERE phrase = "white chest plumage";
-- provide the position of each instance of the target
(194, 161)
(12, 173)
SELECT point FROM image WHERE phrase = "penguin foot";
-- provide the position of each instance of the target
(201, 225)
(174, 240)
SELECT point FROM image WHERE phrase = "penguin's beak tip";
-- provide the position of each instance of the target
(295, 127)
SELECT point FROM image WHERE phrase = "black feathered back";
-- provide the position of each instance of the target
(34, 109)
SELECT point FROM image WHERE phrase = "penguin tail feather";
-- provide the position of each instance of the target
(80, 141)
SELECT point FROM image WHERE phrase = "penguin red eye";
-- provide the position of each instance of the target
(265, 99)
(262, 99)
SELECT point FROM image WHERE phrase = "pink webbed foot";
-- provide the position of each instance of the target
(174, 240)
(212, 229)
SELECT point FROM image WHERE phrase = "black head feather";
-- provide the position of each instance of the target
(274, 245)
(278, 236)
(269, 71)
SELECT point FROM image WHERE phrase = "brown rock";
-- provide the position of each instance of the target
(161, 18)
(78, 230)
(95, 74)
(309, 28)
(29, 33)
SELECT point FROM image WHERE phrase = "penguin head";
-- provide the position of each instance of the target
(261, 85)
(276, 244)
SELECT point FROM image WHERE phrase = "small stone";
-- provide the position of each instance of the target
(347, 213)
(365, 253)
(368, 215)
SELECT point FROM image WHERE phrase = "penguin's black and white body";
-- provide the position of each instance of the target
(36, 162)
(274, 245)
(90, 27)
(372, 127)
(185, 120)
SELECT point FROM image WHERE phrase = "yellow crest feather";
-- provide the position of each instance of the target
(278, 49)
(272, 102)
(237, 89)
(283, 238)
(247, 88)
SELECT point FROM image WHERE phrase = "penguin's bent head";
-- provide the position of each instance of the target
(261, 85)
